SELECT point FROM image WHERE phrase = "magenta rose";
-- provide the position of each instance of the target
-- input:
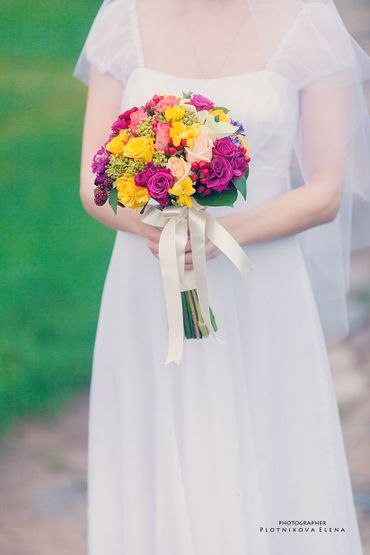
(239, 164)
(220, 173)
(158, 184)
(224, 147)
(141, 178)
(123, 120)
(201, 102)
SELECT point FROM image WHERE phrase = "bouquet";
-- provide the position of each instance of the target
(170, 159)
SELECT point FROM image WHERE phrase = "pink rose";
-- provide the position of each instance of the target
(162, 135)
(239, 164)
(169, 100)
(158, 184)
(220, 174)
(136, 118)
(123, 120)
(201, 102)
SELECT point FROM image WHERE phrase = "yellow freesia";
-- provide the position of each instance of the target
(115, 146)
(183, 190)
(244, 143)
(174, 113)
(181, 131)
(129, 194)
(220, 113)
(139, 148)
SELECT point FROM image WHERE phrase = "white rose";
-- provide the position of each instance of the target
(201, 149)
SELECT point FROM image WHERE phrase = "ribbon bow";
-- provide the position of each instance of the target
(177, 222)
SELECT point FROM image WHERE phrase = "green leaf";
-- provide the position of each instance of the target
(112, 197)
(187, 94)
(225, 198)
(217, 118)
(226, 110)
(241, 185)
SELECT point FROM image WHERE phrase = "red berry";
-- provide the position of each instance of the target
(193, 176)
(203, 164)
(204, 172)
(201, 189)
(195, 166)
(208, 191)
(183, 142)
(172, 150)
(156, 98)
(167, 151)
(203, 180)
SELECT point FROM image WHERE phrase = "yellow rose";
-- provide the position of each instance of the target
(174, 113)
(115, 146)
(220, 113)
(129, 194)
(179, 167)
(201, 149)
(124, 136)
(182, 190)
(139, 148)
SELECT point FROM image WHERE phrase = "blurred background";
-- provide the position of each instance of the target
(54, 259)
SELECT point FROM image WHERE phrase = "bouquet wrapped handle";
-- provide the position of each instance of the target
(177, 222)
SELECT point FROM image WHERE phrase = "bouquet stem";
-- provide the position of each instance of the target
(194, 326)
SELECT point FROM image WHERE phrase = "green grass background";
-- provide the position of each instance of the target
(53, 256)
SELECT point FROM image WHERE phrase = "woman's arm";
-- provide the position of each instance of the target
(99, 116)
(302, 208)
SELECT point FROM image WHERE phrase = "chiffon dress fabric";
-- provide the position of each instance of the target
(211, 455)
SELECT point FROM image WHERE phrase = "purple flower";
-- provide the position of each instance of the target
(239, 164)
(200, 102)
(220, 173)
(240, 130)
(235, 140)
(224, 147)
(158, 184)
(100, 160)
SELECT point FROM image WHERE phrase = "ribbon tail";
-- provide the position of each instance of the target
(169, 270)
(227, 244)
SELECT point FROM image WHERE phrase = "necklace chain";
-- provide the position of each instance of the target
(225, 58)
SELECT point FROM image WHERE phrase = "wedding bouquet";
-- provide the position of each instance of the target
(170, 159)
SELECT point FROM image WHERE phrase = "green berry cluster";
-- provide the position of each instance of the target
(144, 129)
(190, 118)
(159, 159)
(119, 165)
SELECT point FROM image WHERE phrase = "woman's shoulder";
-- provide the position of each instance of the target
(315, 45)
(111, 44)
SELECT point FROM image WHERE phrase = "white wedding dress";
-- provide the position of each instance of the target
(209, 456)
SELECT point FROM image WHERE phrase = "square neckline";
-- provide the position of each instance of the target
(201, 80)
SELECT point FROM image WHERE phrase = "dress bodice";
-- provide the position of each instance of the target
(264, 101)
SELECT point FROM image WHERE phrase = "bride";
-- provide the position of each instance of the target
(238, 449)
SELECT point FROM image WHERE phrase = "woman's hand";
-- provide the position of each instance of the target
(211, 252)
(152, 235)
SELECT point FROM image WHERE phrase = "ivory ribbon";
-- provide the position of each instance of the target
(177, 222)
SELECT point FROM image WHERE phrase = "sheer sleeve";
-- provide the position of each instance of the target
(332, 147)
(111, 50)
